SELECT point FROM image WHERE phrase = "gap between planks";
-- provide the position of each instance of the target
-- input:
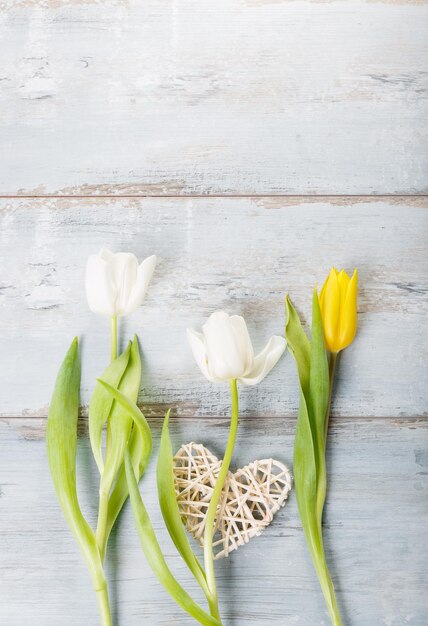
(189, 196)
(34, 429)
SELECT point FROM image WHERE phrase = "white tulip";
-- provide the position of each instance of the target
(224, 350)
(115, 283)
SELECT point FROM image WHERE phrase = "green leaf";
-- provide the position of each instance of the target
(119, 493)
(312, 366)
(132, 411)
(305, 471)
(304, 463)
(298, 344)
(140, 449)
(169, 507)
(154, 554)
(61, 439)
(102, 402)
(309, 444)
(120, 420)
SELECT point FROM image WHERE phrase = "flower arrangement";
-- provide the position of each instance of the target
(116, 285)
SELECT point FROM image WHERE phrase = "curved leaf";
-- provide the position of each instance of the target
(305, 486)
(298, 344)
(131, 410)
(61, 439)
(120, 492)
(101, 404)
(169, 507)
(305, 469)
(120, 422)
(154, 554)
(140, 449)
(309, 443)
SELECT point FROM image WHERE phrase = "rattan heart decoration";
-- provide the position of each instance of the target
(251, 496)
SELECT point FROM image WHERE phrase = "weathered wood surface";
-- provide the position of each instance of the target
(375, 530)
(232, 96)
(242, 255)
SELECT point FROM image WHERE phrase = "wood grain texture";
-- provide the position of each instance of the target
(241, 96)
(241, 255)
(238, 98)
(375, 530)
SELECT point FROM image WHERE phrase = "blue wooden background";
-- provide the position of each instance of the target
(251, 145)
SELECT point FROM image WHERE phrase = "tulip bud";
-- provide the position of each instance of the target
(338, 304)
(115, 283)
(224, 350)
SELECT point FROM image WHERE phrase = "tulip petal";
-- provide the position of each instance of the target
(243, 341)
(123, 268)
(144, 274)
(106, 255)
(343, 280)
(100, 289)
(197, 344)
(265, 361)
(348, 315)
(224, 359)
(322, 296)
(329, 304)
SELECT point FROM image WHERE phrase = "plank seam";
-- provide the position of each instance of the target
(384, 418)
(215, 195)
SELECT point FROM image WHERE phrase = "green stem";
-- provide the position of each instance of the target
(102, 523)
(212, 508)
(113, 334)
(102, 594)
(320, 561)
(213, 606)
(104, 493)
(331, 370)
(104, 607)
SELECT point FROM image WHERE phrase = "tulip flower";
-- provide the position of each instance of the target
(334, 324)
(338, 306)
(338, 303)
(116, 286)
(224, 352)
(115, 283)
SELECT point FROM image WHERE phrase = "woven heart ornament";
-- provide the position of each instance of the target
(250, 498)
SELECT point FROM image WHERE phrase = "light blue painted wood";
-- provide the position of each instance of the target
(242, 98)
(375, 533)
(242, 255)
(229, 96)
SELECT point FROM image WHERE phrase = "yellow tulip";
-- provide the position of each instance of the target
(338, 304)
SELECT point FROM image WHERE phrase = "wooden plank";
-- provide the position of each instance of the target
(242, 255)
(375, 533)
(226, 97)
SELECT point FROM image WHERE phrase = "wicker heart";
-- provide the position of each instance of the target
(250, 498)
